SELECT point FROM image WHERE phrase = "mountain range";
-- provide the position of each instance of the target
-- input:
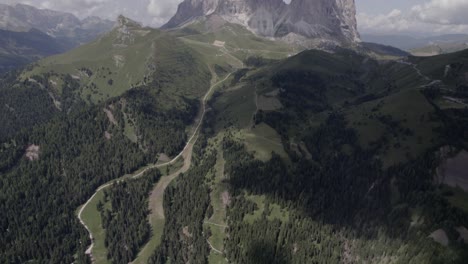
(423, 46)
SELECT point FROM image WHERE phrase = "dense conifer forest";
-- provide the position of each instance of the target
(125, 222)
(16, 115)
(53, 165)
(333, 208)
(186, 203)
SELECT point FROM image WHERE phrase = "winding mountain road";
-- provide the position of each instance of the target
(415, 67)
(186, 153)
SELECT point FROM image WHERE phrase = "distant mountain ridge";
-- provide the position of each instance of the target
(28, 33)
(63, 26)
(408, 43)
(20, 48)
(333, 21)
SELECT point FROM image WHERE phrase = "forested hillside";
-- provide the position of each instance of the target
(40, 194)
(57, 148)
(186, 203)
(127, 229)
(15, 114)
(353, 178)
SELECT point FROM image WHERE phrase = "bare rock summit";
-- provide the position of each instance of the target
(317, 20)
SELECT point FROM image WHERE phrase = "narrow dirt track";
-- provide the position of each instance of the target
(213, 248)
(156, 197)
(186, 153)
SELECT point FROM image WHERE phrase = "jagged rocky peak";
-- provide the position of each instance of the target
(123, 21)
(127, 31)
(333, 20)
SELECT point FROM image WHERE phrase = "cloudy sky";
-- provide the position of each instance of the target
(374, 16)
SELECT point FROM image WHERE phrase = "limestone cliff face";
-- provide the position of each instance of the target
(315, 19)
(192, 9)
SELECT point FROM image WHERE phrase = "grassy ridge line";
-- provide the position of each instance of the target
(106, 70)
(80, 212)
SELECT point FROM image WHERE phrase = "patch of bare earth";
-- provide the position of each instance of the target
(273, 93)
(157, 194)
(186, 231)
(305, 151)
(226, 198)
(295, 248)
(32, 152)
(454, 171)
(110, 116)
(108, 135)
(218, 43)
(426, 54)
(163, 158)
(348, 252)
(440, 237)
(295, 148)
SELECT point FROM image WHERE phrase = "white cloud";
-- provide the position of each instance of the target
(162, 10)
(436, 16)
(393, 21)
(78, 7)
(445, 12)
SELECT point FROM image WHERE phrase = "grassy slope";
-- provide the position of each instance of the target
(438, 49)
(238, 40)
(371, 79)
(100, 57)
(217, 221)
(276, 211)
(157, 225)
(92, 218)
(118, 65)
(435, 66)
(237, 106)
(262, 140)
(370, 129)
